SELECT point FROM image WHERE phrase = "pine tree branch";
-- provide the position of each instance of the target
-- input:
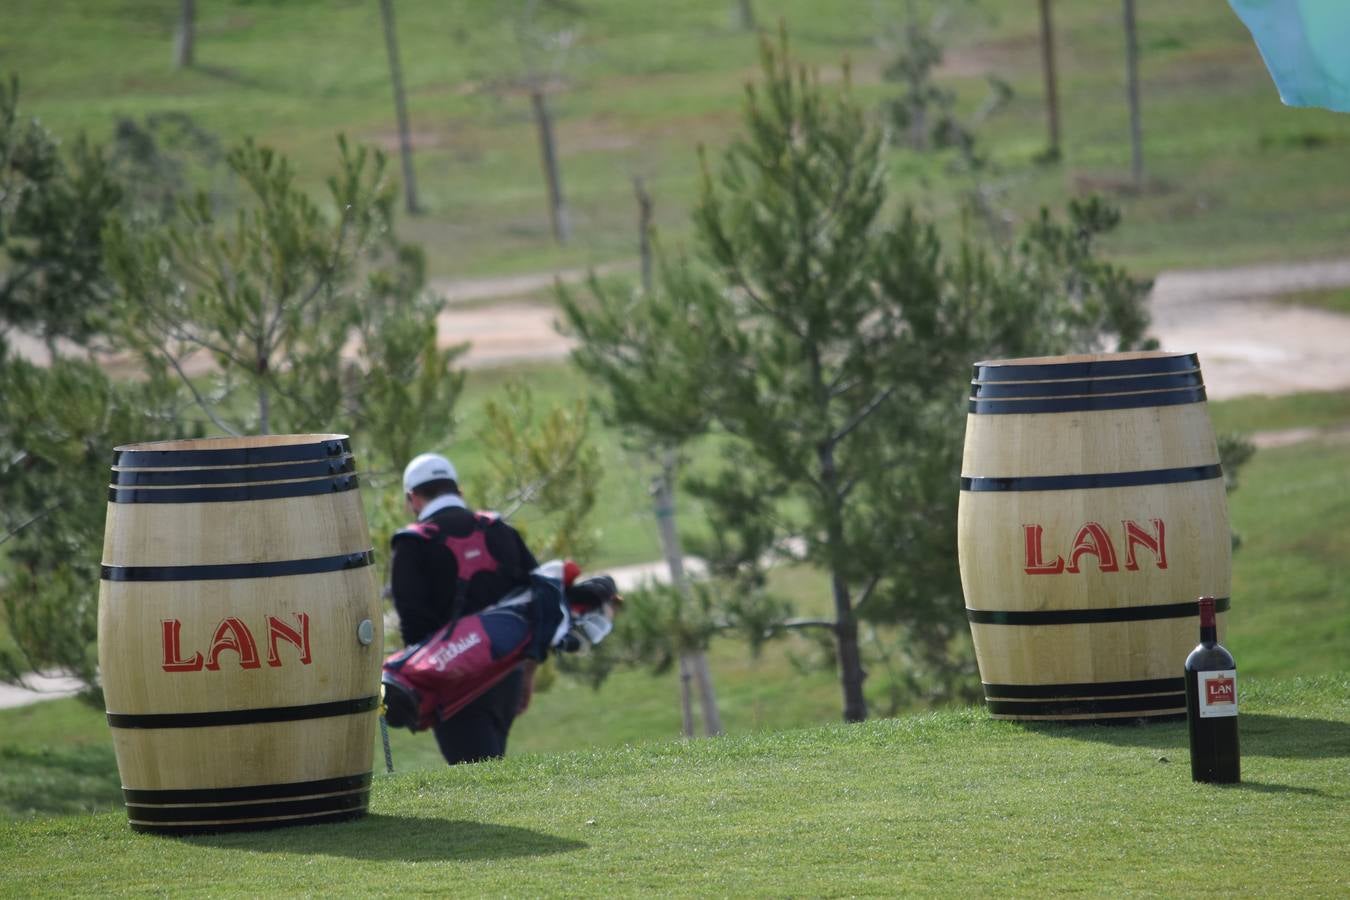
(14, 279)
(201, 401)
(843, 493)
(866, 594)
(202, 343)
(35, 517)
(801, 624)
(740, 281)
(863, 414)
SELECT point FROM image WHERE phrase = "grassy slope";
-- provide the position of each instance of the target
(1290, 617)
(946, 803)
(1234, 175)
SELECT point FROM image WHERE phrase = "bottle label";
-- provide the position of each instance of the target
(1218, 693)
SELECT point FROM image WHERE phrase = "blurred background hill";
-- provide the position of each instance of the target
(1231, 175)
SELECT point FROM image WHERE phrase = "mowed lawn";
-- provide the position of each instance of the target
(948, 803)
(1291, 617)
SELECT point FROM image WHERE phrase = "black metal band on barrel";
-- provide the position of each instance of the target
(1087, 404)
(1090, 706)
(1090, 481)
(1019, 389)
(1102, 368)
(208, 827)
(252, 792)
(244, 716)
(235, 493)
(233, 571)
(1091, 616)
(144, 458)
(240, 475)
(1080, 690)
(281, 809)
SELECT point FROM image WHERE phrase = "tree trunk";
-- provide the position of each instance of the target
(644, 232)
(692, 665)
(693, 662)
(851, 673)
(264, 409)
(1052, 152)
(400, 108)
(745, 15)
(185, 34)
(707, 697)
(557, 207)
(686, 704)
(1132, 88)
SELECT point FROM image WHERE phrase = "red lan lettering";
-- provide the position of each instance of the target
(297, 636)
(234, 635)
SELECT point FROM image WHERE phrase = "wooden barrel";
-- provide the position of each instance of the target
(1092, 516)
(239, 633)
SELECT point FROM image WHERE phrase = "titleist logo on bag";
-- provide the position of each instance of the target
(452, 649)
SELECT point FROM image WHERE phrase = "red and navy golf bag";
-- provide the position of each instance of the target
(432, 680)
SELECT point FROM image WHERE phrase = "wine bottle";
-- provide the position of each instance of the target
(1212, 705)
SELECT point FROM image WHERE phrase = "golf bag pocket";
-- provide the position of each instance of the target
(433, 680)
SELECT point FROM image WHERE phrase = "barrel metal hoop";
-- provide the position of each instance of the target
(232, 571)
(232, 813)
(1091, 616)
(1010, 390)
(237, 493)
(124, 477)
(275, 821)
(1170, 703)
(1102, 368)
(244, 716)
(1143, 478)
(250, 792)
(143, 457)
(1088, 404)
(1081, 690)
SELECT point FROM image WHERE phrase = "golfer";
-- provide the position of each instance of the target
(452, 562)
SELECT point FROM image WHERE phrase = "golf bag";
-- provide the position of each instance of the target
(432, 680)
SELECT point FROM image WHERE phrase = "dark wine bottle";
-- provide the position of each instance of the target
(1212, 705)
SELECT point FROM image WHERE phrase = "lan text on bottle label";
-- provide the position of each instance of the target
(1218, 693)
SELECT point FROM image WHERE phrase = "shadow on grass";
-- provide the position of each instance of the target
(1260, 734)
(406, 838)
(1260, 787)
(227, 74)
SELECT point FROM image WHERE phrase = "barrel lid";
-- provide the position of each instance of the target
(231, 451)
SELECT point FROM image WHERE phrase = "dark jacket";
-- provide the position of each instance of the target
(425, 572)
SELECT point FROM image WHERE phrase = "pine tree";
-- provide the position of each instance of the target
(828, 340)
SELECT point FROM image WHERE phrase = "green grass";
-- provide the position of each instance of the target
(56, 758)
(1234, 176)
(1313, 409)
(1291, 594)
(1336, 300)
(944, 803)
(1291, 617)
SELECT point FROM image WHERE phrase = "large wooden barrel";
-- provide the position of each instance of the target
(1092, 516)
(239, 633)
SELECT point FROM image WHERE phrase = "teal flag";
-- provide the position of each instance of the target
(1306, 47)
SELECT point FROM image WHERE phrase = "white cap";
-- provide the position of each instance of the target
(427, 467)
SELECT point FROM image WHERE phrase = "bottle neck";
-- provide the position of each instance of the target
(1209, 631)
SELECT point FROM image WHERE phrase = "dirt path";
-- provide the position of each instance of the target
(1247, 344)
